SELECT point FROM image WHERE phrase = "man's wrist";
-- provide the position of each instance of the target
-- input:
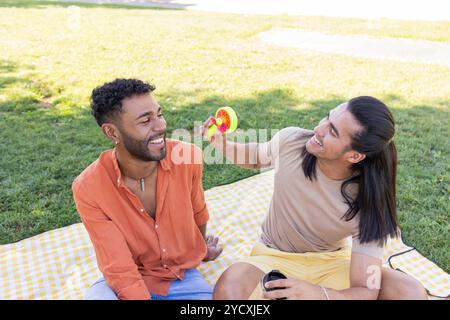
(205, 258)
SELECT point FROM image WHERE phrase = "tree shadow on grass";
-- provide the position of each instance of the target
(262, 110)
(25, 92)
(7, 67)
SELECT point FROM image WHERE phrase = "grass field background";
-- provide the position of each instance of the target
(199, 62)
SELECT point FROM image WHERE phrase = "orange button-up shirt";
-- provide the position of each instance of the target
(136, 253)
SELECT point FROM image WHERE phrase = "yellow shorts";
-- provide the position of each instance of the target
(330, 269)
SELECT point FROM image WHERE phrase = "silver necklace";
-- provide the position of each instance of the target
(142, 180)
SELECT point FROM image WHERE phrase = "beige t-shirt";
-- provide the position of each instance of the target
(305, 215)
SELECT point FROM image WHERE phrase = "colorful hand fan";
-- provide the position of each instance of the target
(225, 121)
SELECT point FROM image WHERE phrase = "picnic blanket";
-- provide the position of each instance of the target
(61, 264)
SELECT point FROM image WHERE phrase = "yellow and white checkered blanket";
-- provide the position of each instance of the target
(61, 264)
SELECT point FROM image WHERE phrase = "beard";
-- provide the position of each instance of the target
(139, 148)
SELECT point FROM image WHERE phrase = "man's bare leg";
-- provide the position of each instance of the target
(237, 282)
(396, 285)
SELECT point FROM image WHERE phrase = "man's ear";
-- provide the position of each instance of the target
(111, 131)
(355, 157)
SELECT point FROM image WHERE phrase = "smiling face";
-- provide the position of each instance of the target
(333, 136)
(142, 128)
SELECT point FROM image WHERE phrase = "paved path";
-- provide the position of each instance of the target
(361, 46)
(394, 9)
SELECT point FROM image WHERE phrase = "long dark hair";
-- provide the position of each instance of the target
(375, 204)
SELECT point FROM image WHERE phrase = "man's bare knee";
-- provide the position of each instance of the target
(400, 286)
(413, 290)
(237, 282)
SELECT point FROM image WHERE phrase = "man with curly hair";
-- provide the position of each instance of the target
(145, 213)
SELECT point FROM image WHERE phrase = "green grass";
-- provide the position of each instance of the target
(198, 62)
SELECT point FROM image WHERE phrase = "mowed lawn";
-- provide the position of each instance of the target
(52, 56)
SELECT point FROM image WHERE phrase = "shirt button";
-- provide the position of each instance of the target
(142, 210)
(165, 266)
(156, 226)
(164, 250)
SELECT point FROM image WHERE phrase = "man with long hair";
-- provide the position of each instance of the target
(145, 214)
(335, 182)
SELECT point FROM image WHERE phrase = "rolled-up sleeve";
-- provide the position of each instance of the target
(201, 213)
(269, 152)
(114, 258)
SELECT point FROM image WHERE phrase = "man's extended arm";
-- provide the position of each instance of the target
(245, 155)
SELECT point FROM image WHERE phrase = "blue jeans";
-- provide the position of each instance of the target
(193, 287)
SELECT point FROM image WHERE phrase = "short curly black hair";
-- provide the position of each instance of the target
(106, 100)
